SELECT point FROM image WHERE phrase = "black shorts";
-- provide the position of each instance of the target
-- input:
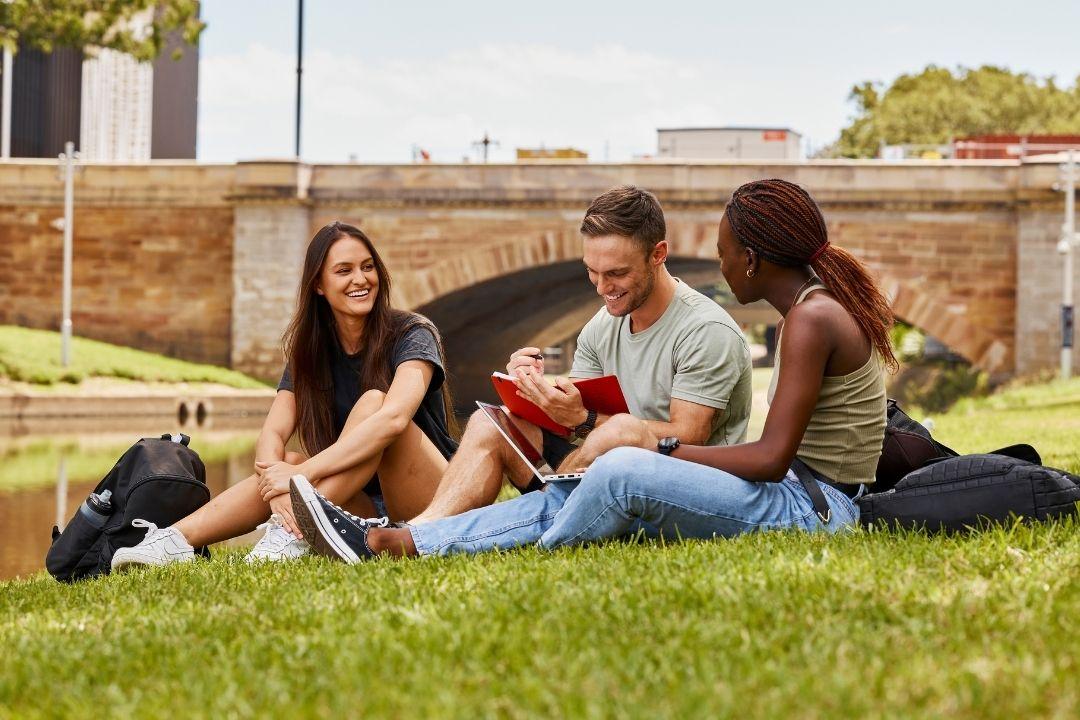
(555, 450)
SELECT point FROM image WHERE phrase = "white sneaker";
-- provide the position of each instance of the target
(277, 543)
(161, 546)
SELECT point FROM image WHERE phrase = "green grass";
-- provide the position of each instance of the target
(1045, 415)
(772, 625)
(864, 624)
(33, 356)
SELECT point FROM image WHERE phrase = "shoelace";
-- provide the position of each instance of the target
(272, 540)
(362, 522)
(152, 530)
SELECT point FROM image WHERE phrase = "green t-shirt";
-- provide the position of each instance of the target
(694, 352)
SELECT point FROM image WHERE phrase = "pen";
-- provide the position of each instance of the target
(537, 357)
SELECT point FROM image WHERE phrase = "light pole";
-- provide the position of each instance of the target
(484, 144)
(299, 67)
(1066, 247)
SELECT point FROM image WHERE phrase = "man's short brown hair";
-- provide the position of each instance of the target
(627, 211)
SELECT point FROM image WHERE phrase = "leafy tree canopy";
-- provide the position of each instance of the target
(139, 28)
(938, 104)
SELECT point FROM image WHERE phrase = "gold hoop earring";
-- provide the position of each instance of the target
(749, 273)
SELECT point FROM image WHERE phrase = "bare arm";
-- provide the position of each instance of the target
(808, 343)
(690, 422)
(374, 434)
(562, 403)
(278, 427)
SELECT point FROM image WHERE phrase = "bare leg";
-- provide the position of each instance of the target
(240, 508)
(475, 474)
(409, 470)
(236, 511)
(396, 542)
(618, 431)
(346, 488)
(343, 486)
(409, 473)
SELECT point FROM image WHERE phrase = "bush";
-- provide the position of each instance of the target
(936, 385)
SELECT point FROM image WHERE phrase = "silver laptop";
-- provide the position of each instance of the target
(525, 450)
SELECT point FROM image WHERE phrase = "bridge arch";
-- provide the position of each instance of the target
(507, 295)
(947, 322)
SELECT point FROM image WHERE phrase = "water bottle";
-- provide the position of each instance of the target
(97, 508)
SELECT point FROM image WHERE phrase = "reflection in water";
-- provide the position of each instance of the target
(61, 494)
(44, 479)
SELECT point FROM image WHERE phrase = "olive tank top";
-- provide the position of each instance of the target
(843, 438)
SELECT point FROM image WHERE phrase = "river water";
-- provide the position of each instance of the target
(44, 477)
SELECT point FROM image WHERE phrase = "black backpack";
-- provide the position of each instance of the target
(968, 491)
(157, 479)
(908, 446)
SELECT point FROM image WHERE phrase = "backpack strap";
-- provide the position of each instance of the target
(817, 497)
(179, 438)
(945, 450)
(1023, 451)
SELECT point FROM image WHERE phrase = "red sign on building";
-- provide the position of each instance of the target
(774, 135)
(1004, 147)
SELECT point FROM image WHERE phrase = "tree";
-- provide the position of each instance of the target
(937, 105)
(88, 24)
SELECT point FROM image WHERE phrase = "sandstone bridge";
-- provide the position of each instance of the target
(200, 261)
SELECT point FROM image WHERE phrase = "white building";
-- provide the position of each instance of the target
(117, 105)
(729, 143)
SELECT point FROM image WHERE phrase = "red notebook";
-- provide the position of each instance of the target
(602, 394)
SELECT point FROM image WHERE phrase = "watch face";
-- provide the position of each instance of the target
(666, 445)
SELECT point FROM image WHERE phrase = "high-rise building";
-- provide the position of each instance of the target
(110, 105)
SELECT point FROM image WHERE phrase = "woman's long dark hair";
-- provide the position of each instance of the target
(782, 223)
(309, 342)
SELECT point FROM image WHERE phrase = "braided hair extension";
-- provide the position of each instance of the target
(781, 222)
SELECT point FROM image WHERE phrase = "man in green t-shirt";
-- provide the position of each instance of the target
(682, 362)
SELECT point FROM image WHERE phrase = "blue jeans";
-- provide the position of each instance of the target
(629, 490)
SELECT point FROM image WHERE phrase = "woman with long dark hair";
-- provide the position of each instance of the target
(365, 392)
(819, 448)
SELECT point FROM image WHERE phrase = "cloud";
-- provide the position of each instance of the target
(607, 98)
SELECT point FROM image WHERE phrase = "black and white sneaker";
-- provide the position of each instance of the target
(331, 531)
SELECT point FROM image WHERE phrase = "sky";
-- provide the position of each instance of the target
(382, 78)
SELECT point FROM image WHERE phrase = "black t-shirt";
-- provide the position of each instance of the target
(417, 343)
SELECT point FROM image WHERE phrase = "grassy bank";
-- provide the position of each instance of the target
(866, 624)
(1046, 415)
(774, 625)
(33, 356)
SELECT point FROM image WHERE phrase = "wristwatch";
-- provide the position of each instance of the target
(586, 427)
(667, 445)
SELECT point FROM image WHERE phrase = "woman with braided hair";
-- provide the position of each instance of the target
(826, 420)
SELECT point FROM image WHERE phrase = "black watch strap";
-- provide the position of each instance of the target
(586, 427)
(667, 445)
